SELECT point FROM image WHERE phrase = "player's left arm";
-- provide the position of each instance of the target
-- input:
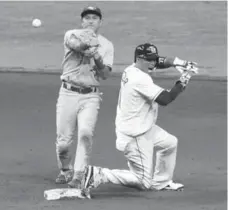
(104, 64)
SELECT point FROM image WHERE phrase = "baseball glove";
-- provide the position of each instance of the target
(88, 37)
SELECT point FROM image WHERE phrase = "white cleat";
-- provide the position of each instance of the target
(172, 186)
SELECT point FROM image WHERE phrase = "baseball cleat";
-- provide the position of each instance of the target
(92, 179)
(64, 177)
(172, 186)
(86, 193)
(77, 184)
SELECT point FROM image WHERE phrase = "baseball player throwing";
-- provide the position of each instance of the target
(88, 57)
(136, 129)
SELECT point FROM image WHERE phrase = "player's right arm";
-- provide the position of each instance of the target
(73, 43)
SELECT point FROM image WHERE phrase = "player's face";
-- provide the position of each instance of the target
(91, 21)
(151, 65)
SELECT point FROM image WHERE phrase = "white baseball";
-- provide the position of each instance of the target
(36, 23)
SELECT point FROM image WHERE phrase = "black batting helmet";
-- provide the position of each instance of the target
(147, 52)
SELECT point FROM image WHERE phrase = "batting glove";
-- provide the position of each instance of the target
(189, 67)
(184, 79)
(182, 66)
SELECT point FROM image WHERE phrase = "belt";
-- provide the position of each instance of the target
(83, 90)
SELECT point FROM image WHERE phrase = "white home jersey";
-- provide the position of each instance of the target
(136, 109)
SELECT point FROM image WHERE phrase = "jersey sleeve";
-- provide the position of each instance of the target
(148, 89)
(109, 55)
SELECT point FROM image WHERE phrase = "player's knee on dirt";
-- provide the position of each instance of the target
(146, 184)
(145, 179)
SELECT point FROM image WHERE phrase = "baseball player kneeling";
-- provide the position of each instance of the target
(136, 129)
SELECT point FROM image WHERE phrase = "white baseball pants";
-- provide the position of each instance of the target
(74, 110)
(139, 155)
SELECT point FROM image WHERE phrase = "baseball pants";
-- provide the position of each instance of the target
(139, 154)
(75, 111)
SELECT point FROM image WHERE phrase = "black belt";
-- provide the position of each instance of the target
(83, 90)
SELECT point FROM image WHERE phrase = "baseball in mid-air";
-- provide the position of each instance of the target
(36, 23)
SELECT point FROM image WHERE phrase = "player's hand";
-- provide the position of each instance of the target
(90, 52)
(185, 77)
(189, 66)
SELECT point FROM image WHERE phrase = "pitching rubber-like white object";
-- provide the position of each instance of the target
(64, 193)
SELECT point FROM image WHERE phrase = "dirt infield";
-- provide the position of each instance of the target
(27, 152)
